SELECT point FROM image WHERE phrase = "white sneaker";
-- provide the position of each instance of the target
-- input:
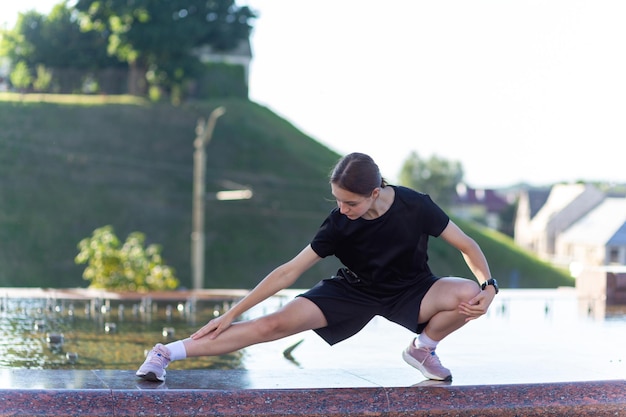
(426, 361)
(153, 368)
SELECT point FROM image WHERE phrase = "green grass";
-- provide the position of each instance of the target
(71, 164)
(72, 99)
(512, 266)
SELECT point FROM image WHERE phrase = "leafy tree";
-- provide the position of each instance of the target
(123, 267)
(44, 77)
(57, 42)
(157, 38)
(20, 76)
(435, 176)
(68, 46)
(15, 44)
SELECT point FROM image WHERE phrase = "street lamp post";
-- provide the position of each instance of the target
(204, 133)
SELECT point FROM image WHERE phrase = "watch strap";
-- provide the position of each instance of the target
(492, 282)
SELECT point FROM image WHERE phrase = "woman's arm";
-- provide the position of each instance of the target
(473, 255)
(280, 278)
(476, 261)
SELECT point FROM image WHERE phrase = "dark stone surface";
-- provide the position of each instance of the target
(299, 393)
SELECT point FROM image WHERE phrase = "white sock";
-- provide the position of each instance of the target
(423, 340)
(177, 350)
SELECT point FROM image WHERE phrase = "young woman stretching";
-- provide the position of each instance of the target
(380, 234)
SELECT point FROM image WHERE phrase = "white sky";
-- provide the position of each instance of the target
(516, 91)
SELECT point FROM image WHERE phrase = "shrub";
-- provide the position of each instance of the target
(123, 267)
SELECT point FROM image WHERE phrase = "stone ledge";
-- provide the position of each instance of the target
(597, 398)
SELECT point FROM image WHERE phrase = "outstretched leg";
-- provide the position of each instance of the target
(298, 315)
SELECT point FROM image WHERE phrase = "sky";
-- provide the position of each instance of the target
(531, 91)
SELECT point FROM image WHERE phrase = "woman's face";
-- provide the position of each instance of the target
(350, 204)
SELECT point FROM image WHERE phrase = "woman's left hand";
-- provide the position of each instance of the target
(478, 305)
(213, 328)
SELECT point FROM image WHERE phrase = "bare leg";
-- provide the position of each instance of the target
(440, 306)
(299, 315)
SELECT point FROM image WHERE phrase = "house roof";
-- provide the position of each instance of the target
(619, 238)
(561, 196)
(536, 199)
(604, 225)
(490, 199)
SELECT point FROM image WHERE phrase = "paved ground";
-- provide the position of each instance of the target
(305, 393)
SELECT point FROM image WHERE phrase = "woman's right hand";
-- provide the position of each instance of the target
(214, 327)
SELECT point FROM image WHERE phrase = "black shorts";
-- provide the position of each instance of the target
(348, 308)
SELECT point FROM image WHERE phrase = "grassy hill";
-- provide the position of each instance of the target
(69, 168)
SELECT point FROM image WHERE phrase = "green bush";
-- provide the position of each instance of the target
(127, 267)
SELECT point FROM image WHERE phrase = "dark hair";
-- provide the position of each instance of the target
(357, 173)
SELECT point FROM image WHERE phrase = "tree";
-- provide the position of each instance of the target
(44, 77)
(68, 46)
(20, 76)
(57, 42)
(127, 267)
(436, 176)
(158, 37)
(18, 44)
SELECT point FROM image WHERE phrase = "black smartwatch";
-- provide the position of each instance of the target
(490, 281)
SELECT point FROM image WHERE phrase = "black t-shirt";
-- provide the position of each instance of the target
(387, 253)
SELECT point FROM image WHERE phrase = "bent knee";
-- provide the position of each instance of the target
(462, 289)
(468, 289)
